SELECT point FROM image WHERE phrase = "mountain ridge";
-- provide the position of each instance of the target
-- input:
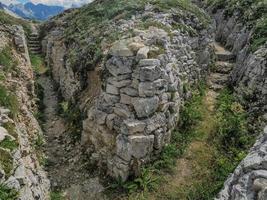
(33, 11)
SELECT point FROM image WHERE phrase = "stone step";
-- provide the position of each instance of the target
(33, 41)
(225, 57)
(216, 87)
(223, 67)
(218, 78)
(34, 45)
(34, 49)
(223, 54)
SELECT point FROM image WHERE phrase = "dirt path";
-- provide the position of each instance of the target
(197, 160)
(66, 165)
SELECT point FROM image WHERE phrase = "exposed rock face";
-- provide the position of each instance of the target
(249, 75)
(248, 78)
(249, 180)
(132, 117)
(26, 174)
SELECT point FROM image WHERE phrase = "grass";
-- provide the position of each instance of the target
(86, 52)
(7, 60)
(7, 143)
(211, 139)
(9, 20)
(55, 195)
(6, 161)
(7, 194)
(7, 99)
(38, 64)
(11, 129)
(73, 116)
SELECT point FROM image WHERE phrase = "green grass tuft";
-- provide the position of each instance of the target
(7, 194)
(8, 100)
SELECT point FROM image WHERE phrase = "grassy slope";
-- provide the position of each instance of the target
(96, 19)
(10, 20)
(252, 12)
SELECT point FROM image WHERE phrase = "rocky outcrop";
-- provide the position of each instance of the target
(248, 77)
(249, 180)
(19, 165)
(143, 79)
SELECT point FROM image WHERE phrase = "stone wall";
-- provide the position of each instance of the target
(143, 83)
(139, 106)
(249, 180)
(26, 175)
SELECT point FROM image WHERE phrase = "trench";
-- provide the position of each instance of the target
(67, 166)
(68, 169)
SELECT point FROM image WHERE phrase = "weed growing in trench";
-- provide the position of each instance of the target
(7, 194)
(7, 60)
(7, 143)
(7, 99)
(73, 116)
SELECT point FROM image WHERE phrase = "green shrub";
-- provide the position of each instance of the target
(6, 161)
(8, 100)
(8, 60)
(73, 116)
(38, 64)
(7, 143)
(7, 194)
(55, 195)
(232, 127)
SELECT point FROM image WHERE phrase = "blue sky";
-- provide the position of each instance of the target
(65, 3)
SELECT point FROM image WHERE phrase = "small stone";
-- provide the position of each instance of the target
(119, 67)
(159, 139)
(142, 53)
(122, 110)
(12, 183)
(149, 62)
(110, 121)
(4, 111)
(118, 84)
(112, 89)
(3, 133)
(144, 107)
(118, 168)
(134, 126)
(141, 145)
(135, 46)
(126, 99)
(111, 99)
(120, 48)
(2, 176)
(123, 148)
(129, 91)
(150, 73)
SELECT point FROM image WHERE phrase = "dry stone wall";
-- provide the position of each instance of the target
(139, 106)
(144, 78)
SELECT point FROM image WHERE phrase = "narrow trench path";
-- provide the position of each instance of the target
(66, 165)
(198, 157)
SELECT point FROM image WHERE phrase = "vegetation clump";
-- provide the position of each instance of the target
(7, 60)
(10, 20)
(7, 194)
(8, 100)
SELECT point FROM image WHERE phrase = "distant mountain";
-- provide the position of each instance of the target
(38, 11)
(5, 8)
